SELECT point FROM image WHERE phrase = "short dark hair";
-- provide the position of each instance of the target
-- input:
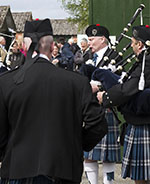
(61, 40)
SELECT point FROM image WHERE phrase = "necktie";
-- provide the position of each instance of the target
(95, 58)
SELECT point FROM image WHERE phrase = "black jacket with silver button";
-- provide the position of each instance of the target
(125, 95)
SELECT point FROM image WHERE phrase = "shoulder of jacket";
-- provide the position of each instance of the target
(9, 71)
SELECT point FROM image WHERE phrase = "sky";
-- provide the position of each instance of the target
(40, 8)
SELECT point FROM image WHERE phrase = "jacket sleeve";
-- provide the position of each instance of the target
(3, 125)
(121, 93)
(95, 125)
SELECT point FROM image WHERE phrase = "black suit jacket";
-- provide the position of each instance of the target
(41, 123)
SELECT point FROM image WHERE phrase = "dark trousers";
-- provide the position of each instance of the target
(38, 180)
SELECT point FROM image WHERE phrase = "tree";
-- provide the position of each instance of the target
(78, 10)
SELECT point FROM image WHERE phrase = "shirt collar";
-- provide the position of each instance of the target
(100, 54)
(44, 56)
(102, 51)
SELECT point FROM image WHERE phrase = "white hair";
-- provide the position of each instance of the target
(84, 40)
(70, 41)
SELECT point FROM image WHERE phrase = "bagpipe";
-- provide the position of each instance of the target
(140, 102)
(107, 77)
(115, 64)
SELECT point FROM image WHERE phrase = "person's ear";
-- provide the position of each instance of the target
(102, 39)
(140, 45)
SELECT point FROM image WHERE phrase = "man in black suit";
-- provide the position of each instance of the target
(42, 135)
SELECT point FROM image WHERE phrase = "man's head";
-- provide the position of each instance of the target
(46, 45)
(98, 37)
(140, 38)
(61, 42)
(84, 44)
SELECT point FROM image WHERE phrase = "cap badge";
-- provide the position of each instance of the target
(94, 32)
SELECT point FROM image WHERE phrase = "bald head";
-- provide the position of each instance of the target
(46, 45)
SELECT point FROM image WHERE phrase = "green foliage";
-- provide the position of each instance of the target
(78, 11)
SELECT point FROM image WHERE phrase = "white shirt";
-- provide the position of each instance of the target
(44, 56)
(100, 54)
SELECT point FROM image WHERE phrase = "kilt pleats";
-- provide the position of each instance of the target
(136, 154)
(108, 149)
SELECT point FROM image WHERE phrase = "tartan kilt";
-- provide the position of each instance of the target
(108, 149)
(136, 154)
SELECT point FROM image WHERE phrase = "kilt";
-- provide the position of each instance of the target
(108, 149)
(136, 154)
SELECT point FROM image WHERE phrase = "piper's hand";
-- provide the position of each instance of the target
(100, 96)
(95, 88)
(95, 85)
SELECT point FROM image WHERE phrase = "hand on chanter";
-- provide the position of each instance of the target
(95, 88)
(100, 96)
(95, 85)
